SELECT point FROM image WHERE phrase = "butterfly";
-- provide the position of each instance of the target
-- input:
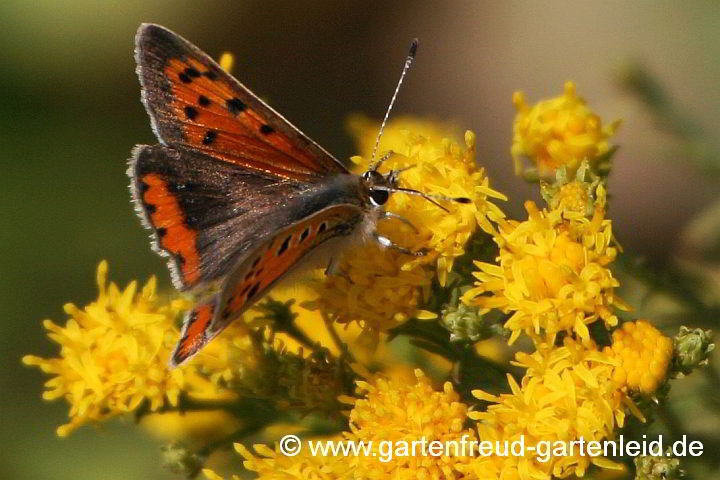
(235, 195)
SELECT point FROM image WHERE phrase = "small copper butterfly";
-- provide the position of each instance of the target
(235, 195)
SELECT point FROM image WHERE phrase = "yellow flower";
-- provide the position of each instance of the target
(272, 464)
(560, 131)
(400, 411)
(376, 292)
(577, 197)
(567, 394)
(644, 355)
(114, 355)
(552, 273)
(226, 61)
(381, 288)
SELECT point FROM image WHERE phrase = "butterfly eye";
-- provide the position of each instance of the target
(379, 197)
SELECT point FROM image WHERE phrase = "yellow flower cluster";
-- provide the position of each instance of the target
(398, 411)
(392, 410)
(552, 274)
(114, 355)
(643, 355)
(272, 464)
(381, 288)
(567, 393)
(560, 131)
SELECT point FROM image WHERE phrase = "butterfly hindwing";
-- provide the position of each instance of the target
(203, 211)
(260, 269)
(195, 104)
(265, 266)
(195, 331)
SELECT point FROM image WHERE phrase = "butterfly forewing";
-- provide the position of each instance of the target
(195, 104)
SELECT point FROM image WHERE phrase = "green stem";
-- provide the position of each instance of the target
(342, 346)
(296, 334)
(283, 320)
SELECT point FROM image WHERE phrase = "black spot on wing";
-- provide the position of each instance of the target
(209, 138)
(203, 101)
(235, 105)
(191, 112)
(191, 72)
(285, 245)
(266, 129)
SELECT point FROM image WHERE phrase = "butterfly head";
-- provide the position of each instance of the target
(379, 186)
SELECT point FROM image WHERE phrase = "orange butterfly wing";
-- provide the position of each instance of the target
(195, 104)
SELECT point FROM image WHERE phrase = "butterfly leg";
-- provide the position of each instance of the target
(387, 243)
(400, 218)
(332, 269)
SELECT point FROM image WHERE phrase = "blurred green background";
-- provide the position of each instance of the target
(70, 113)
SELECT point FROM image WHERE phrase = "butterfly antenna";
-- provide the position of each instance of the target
(429, 197)
(408, 62)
